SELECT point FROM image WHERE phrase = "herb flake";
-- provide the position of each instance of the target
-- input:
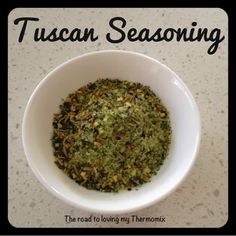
(111, 135)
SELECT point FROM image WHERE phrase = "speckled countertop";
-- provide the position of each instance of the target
(201, 201)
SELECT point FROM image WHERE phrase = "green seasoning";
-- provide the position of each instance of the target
(111, 135)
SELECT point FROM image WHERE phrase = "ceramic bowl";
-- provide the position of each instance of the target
(66, 78)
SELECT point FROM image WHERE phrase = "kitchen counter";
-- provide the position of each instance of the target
(201, 201)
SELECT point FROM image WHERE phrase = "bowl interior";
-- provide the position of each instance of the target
(45, 101)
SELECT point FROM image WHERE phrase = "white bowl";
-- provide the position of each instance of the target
(71, 75)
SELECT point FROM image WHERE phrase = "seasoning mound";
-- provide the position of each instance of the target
(111, 135)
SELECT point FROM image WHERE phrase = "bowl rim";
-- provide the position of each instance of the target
(92, 208)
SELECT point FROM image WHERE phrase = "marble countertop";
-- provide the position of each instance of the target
(202, 200)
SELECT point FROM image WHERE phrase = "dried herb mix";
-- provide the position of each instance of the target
(111, 135)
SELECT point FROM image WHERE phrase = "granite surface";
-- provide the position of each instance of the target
(201, 201)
